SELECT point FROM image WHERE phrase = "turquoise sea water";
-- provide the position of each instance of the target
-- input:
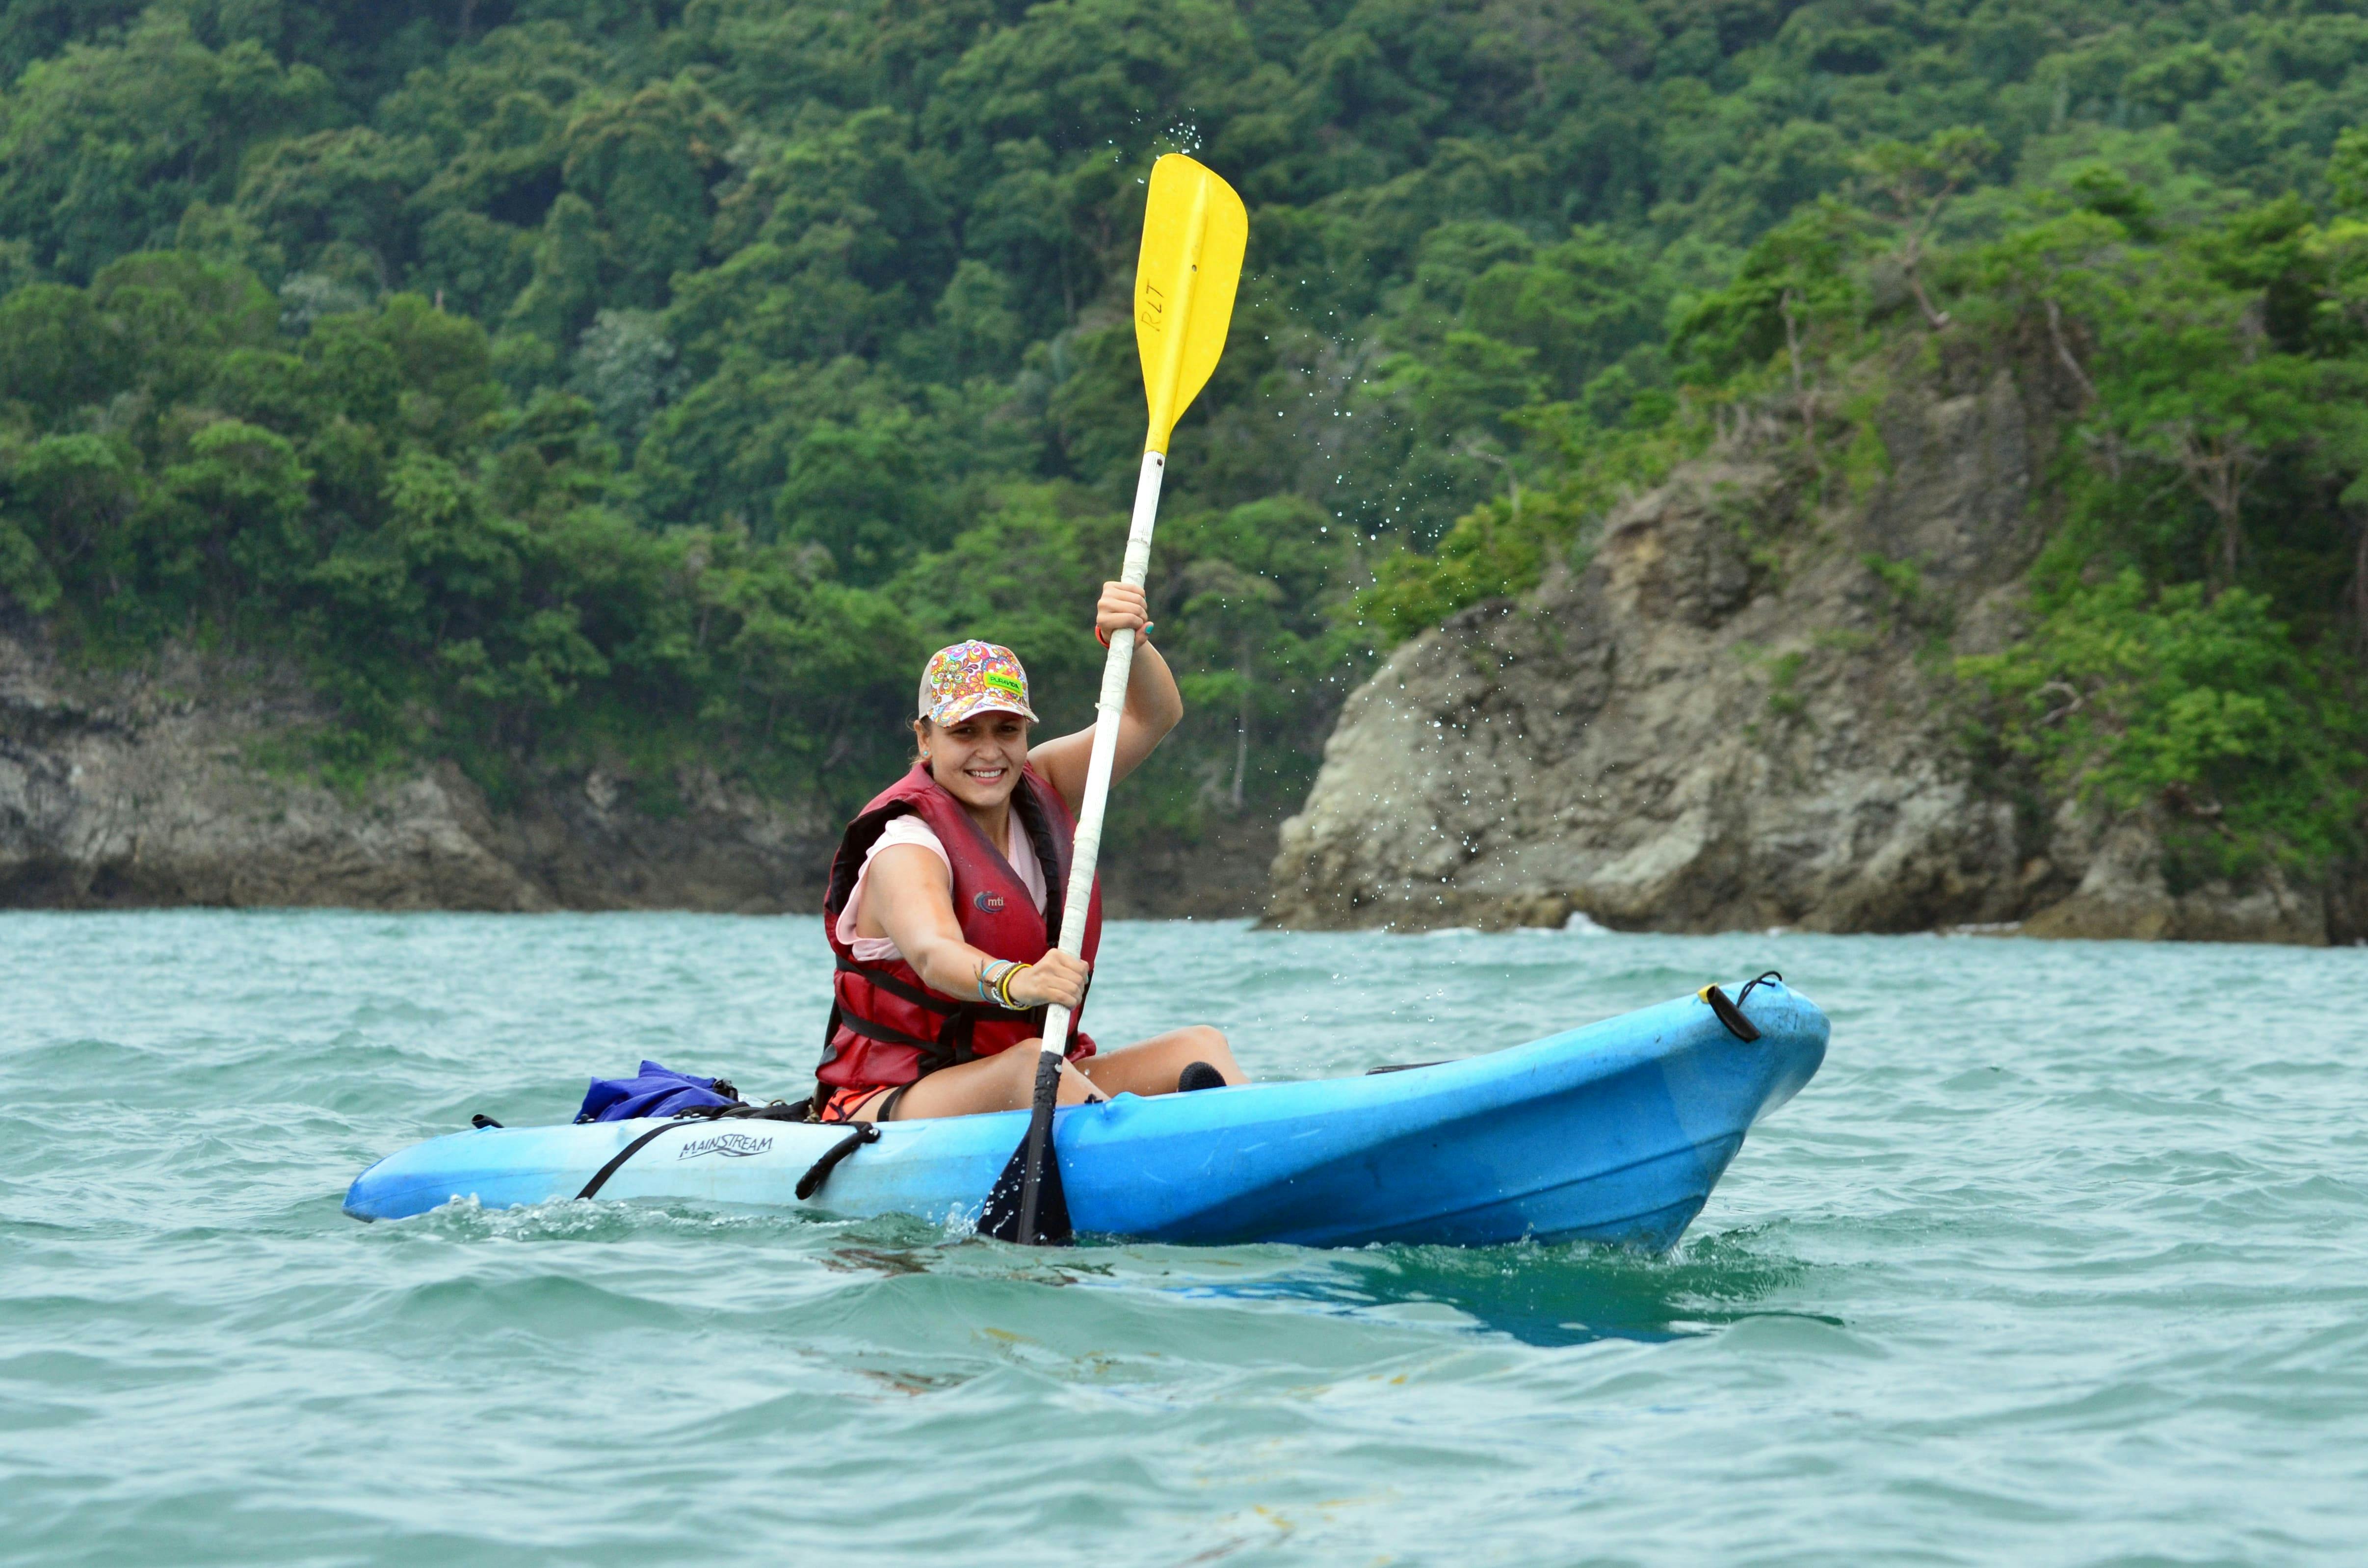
(2063, 1258)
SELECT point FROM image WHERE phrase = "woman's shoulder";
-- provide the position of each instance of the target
(909, 827)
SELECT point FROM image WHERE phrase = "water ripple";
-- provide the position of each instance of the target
(2064, 1257)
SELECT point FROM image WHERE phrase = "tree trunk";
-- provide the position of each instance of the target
(1911, 262)
(2227, 501)
(2360, 585)
(2218, 469)
(2064, 355)
(1242, 731)
(1802, 396)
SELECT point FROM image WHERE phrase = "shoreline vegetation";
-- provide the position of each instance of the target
(636, 392)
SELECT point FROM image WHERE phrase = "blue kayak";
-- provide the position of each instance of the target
(1612, 1133)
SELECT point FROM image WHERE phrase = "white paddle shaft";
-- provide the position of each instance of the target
(1113, 707)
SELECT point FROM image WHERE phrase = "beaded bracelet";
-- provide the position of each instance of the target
(992, 974)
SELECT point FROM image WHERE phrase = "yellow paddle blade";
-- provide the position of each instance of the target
(1194, 231)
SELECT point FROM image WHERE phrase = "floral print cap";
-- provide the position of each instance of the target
(971, 678)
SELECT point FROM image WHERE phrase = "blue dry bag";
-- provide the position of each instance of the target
(656, 1091)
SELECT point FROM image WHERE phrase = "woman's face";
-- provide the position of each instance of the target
(978, 760)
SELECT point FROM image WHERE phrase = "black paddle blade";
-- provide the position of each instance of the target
(1026, 1205)
(1001, 1217)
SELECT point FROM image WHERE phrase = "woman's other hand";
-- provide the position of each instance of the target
(1153, 707)
(1056, 978)
(1121, 609)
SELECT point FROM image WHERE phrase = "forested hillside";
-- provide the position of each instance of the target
(619, 383)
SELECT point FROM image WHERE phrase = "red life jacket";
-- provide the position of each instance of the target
(886, 1025)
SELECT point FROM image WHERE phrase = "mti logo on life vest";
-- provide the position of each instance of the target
(988, 903)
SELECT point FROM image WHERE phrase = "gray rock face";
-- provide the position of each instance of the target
(157, 788)
(1737, 715)
(150, 790)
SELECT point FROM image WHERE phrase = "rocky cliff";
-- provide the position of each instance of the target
(1737, 714)
(172, 783)
(156, 786)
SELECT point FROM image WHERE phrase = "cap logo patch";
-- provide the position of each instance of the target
(1010, 685)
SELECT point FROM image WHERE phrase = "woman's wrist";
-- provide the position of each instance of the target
(1142, 634)
(996, 978)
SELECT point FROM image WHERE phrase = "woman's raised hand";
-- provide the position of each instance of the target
(1122, 608)
(1055, 978)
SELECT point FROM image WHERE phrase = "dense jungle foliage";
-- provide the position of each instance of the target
(628, 380)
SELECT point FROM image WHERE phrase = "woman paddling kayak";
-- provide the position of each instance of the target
(946, 893)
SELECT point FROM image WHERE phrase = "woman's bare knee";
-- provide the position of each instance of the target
(1019, 1074)
(1075, 1087)
(1019, 1079)
(1152, 1066)
(1209, 1044)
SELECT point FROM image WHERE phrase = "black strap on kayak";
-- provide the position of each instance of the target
(480, 1121)
(776, 1110)
(808, 1184)
(1730, 1013)
(600, 1178)
(819, 1172)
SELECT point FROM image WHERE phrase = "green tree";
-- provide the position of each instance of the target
(228, 523)
(861, 491)
(1915, 181)
(102, 146)
(2202, 708)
